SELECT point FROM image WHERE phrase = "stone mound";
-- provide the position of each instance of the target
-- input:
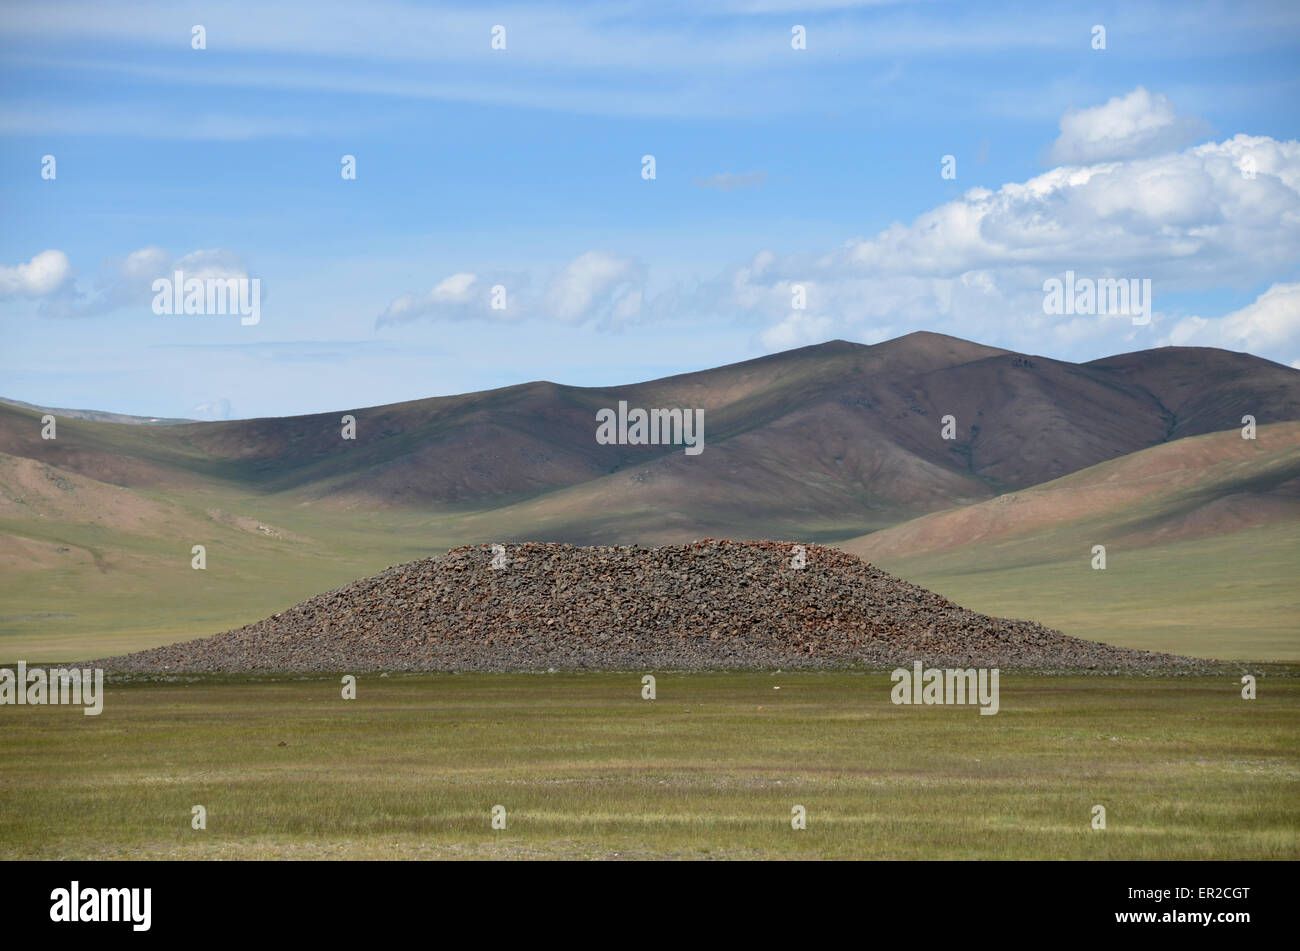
(710, 604)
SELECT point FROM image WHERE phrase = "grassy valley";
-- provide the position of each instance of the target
(837, 443)
(1202, 541)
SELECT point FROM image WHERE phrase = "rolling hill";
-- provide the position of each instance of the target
(822, 443)
(847, 429)
(1202, 543)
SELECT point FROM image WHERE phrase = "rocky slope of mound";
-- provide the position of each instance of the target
(710, 604)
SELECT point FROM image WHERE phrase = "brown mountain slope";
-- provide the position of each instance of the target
(1201, 539)
(97, 415)
(1205, 485)
(818, 444)
(836, 431)
(1199, 388)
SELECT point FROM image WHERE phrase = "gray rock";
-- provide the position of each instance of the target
(710, 604)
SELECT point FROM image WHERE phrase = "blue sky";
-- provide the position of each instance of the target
(1170, 155)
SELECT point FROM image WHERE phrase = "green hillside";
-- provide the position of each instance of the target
(1202, 541)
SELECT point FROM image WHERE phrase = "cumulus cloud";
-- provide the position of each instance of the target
(1139, 123)
(1184, 214)
(796, 330)
(1221, 214)
(211, 263)
(123, 283)
(1217, 215)
(1272, 323)
(44, 275)
(976, 265)
(595, 286)
(460, 296)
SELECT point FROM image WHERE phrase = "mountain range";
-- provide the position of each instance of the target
(840, 443)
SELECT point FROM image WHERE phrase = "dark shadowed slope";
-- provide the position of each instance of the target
(834, 431)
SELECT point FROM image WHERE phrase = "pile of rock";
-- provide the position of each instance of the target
(711, 604)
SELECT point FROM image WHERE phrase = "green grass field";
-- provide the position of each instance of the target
(1231, 597)
(711, 769)
(140, 590)
(90, 569)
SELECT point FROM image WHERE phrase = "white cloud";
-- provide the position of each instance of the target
(623, 59)
(592, 286)
(44, 275)
(1215, 216)
(145, 264)
(1136, 124)
(203, 264)
(636, 37)
(636, 58)
(796, 330)
(1182, 215)
(460, 296)
(627, 308)
(1272, 322)
(595, 286)
(127, 283)
(975, 266)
